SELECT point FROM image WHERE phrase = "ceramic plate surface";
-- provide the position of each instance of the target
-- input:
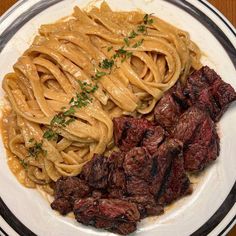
(211, 208)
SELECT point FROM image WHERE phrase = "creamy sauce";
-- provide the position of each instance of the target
(13, 162)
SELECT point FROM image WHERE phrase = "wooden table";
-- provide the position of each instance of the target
(227, 7)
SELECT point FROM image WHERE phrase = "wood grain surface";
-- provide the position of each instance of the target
(227, 7)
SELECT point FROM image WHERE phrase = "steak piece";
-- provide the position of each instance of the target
(161, 166)
(138, 169)
(153, 138)
(224, 94)
(117, 178)
(63, 205)
(207, 102)
(170, 107)
(207, 82)
(129, 131)
(67, 190)
(115, 215)
(198, 133)
(147, 205)
(138, 162)
(167, 112)
(96, 171)
(136, 186)
(177, 183)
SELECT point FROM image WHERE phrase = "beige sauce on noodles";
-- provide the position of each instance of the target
(13, 162)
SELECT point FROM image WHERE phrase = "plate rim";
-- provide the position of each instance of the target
(18, 226)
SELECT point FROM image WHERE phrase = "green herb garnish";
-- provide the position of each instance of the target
(87, 87)
(126, 40)
(121, 51)
(50, 135)
(106, 64)
(36, 149)
(109, 48)
(146, 19)
(98, 75)
(31, 140)
(69, 112)
(69, 121)
(133, 34)
(129, 54)
(137, 44)
(142, 29)
(58, 120)
(81, 100)
(23, 163)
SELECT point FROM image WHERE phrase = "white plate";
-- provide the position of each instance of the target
(211, 208)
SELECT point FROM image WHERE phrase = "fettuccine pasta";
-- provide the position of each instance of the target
(80, 73)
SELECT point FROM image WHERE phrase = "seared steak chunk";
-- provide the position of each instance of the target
(67, 190)
(162, 160)
(167, 111)
(198, 133)
(138, 162)
(117, 178)
(111, 214)
(153, 138)
(147, 205)
(177, 183)
(170, 107)
(63, 205)
(207, 81)
(129, 131)
(96, 171)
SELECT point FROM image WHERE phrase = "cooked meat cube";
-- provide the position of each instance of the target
(208, 81)
(207, 102)
(125, 228)
(67, 190)
(153, 138)
(72, 187)
(99, 194)
(63, 205)
(138, 162)
(116, 179)
(224, 94)
(177, 92)
(203, 148)
(198, 81)
(111, 214)
(116, 160)
(177, 183)
(162, 160)
(138, 166)
(167, 111)
(188, 123)
(170, 107)
(122, 228)
(137, 186)
(198, 133)
(96, 171)
(129, 132)
(147, 205)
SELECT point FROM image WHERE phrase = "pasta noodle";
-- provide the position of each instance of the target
(80, 73)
